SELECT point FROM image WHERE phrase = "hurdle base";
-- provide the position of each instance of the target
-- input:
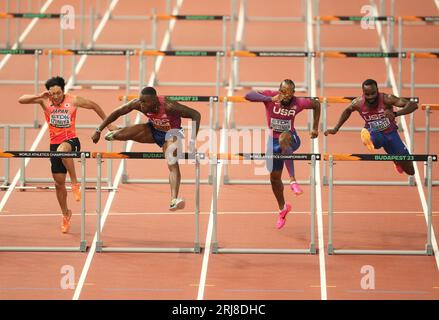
(227, 180)
(367, 183)
(163, 181)
(99, 246)
(151, 250)
(330, 249)
(433, 182)
(429, 250)
(265, 251)
(381, 252)
(83, 246)
(40, 249)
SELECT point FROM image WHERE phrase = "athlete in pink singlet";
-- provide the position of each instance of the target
(380, 129)
(163, 128)
(281, 109)
(60, 114)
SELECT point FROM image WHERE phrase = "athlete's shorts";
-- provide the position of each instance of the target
(57, 165)
(391, 142)
(160, 136)
(273, 147)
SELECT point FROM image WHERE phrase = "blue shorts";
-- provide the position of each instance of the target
(160, 136)
(391, 142)
(273, 147)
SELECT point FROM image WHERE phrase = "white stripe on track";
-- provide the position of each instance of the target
(223, 133)
(407, 136)
(25, 33)
(84, 272)
(313, 93)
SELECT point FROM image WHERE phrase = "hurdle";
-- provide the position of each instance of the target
(145, 155)
(155, 18)
(243, 156)
(428, 108)
(300, 86)
(382, 7)
(235, 81)
(324, 127)
(185, 53)
(17, 16)
(350, 20)
(42, 154)
(345, 54)
(77, 52)
(35, 82)
(286, 19)
(414, 21)
(413, 85)
(379, 157)
(23, 180)
(219, 56)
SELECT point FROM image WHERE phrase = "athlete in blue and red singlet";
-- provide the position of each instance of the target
(380, 129)
(163, 128)
(281, 109)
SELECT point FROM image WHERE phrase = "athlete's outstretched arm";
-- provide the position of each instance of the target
(81, 102)
(406, 106)
(123, 109)
(183, 111)
(32, 98)
(315, 106)
(353, 106)
(255, 96)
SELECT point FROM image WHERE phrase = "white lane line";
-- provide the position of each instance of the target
(163, 47)
(67, 88)
(223, 133)
(436, 2)
(406, 136)
(25, 33)
(313, 93)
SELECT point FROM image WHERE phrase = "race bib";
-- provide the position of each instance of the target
(60, 120)
(380, 125)
(161, 124)
(280, 125)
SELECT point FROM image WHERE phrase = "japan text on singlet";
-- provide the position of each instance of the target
(163, 121)
(375, 118)
(61, 120)
(281, 118)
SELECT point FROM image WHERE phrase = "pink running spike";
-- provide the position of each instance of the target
(282, 216)
(296, 188)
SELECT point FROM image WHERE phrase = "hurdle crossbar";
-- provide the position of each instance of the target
(225, 157)
(48, 154)
(145, 155)
(379, 157)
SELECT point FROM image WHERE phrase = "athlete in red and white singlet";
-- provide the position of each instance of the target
(60, 114)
